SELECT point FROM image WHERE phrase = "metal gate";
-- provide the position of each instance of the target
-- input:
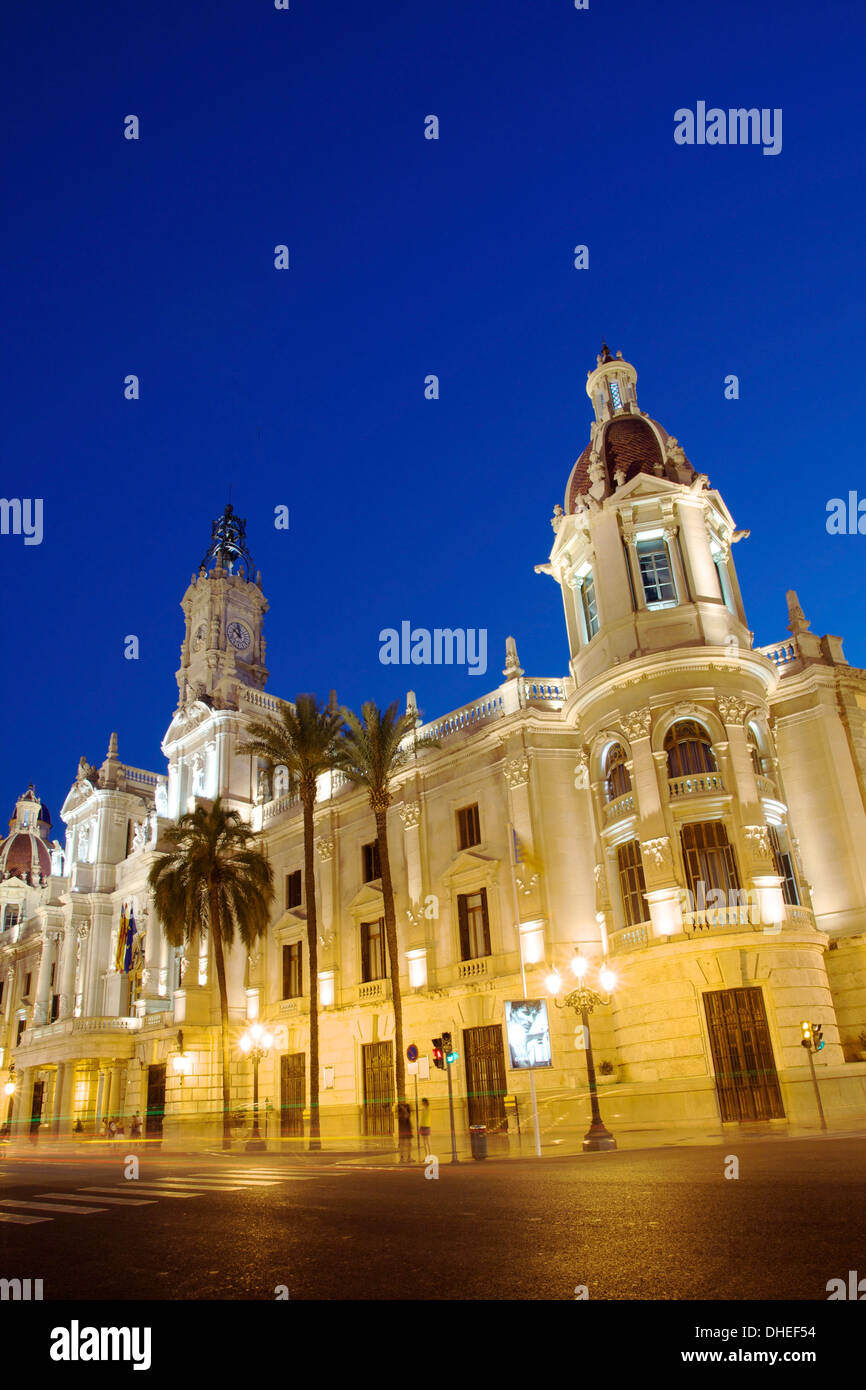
(743, 1061)
(155, 1101)
(379, 1088)
(293, 1093)
(485, 1077)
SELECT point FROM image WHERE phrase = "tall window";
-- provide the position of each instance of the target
(689, 749)
(754, 751)
(468, 826)
(373, 951)
(616, 398)
(588, 605)
(632, 884)
(372, 868)
(293, 968)
(724, 582)
(617, 779)
(27, 982)
(785, 867)
(293, 890)
(654, 562)
(11, 914)
(709, 860)
(474, 925)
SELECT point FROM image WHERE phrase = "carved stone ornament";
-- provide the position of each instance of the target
(82, 930)
(581, 771)
(731, 708)
(517, 771)
(324, 848)
(526, 885)
(658, 852)
(598, 872)
(759, 841)
(410, 813)
(637, 724)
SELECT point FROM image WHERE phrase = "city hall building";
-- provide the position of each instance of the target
(682, 806)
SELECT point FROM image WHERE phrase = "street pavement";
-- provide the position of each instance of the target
(663, 1223)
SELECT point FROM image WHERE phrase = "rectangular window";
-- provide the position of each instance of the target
(19, 1032)
(474, 925)
(654, 562)
(710, 862)
(10, 916)
(373, 951)
(632, 884)
(589, 606)
(372, 869)
(27, 980)
(55, 1008)
(615, 396)
(468, 827)
(2, 987)
(293, 889)
(293, 968)
(785, 867)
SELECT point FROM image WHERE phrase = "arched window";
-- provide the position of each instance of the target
(689, 749)
(755, 751)
(616, 775)
(281, 781)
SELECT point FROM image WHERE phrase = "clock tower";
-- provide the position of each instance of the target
(224, 607)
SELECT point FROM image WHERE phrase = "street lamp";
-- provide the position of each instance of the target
(256, 1041)
(9, 1088)
(181, 1061)
(583, 1000)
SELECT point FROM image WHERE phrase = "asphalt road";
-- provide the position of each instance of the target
(657, 1224)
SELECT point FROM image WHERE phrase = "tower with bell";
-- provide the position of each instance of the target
(224, 608)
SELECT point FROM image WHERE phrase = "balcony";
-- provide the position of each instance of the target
(374, 991)
(474, 969)
(767, 787)
(695, 784)
(716, 920)
(615, 810)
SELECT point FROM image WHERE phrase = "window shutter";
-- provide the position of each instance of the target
(286, 950)
(365, 951)
(463, 918)
(486, 921)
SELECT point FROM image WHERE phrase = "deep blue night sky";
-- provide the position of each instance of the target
(408, 257)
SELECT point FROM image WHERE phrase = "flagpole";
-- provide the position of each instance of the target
(532, 1096)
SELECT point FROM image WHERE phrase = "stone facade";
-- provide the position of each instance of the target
(685, 806)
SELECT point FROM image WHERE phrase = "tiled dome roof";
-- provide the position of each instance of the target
(24, 853)
(630, 443)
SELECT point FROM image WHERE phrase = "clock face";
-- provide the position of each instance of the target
(238, 636)
(198, 640)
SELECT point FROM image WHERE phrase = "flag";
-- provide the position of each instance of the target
(131, 933)
(523, 856)
(121, 940)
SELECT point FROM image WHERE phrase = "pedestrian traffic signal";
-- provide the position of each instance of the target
(450, 1054)
(817, 1036)
(438, 1055)
(806, 1040)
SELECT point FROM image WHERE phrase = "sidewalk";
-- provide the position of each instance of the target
(511, 1147)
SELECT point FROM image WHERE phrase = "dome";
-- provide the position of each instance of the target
(24, 854)
(629, 444)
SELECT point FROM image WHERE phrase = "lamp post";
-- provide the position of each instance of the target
(10, 1086)
(583, 1000)
(181, 1061)
(257, 1042)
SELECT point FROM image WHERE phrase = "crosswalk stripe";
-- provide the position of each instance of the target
(233, 1177)
(148, 1191)
(22, 1220)
(191, 1187)
(50, 1206)
(112, 1201)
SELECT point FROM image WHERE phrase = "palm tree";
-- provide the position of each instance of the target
(214, 880)
(372, 750)
(303, 739)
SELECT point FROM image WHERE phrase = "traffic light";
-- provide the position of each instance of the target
(438, 1056)
(450, 1054)
(817, 1036)
(806, 1040)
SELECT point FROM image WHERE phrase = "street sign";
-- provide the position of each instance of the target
(412, 1068)
(412, 1052)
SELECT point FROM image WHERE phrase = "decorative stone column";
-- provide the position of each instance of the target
(61, 1118)
(43, 979)
(68, 960)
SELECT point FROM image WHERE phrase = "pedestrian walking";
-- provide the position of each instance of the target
(404, 1131)
(135, 1126)
(424, 1125)
(112, 1128)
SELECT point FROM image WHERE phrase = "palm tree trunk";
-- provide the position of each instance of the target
(308, 797)
(393, 948)
(219, 960)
